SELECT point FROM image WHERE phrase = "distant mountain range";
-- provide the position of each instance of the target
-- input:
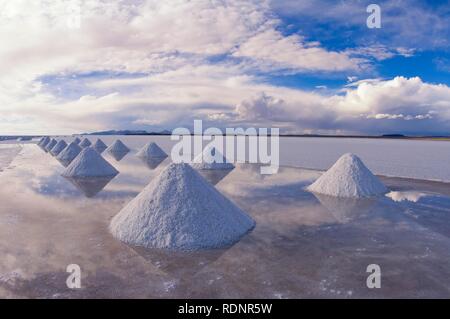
(129, 132)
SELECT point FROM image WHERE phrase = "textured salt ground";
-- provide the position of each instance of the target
(297, 249)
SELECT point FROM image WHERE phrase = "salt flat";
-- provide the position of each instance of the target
(418, 159)
(303, 245)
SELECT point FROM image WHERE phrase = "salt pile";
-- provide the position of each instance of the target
(44, 141)
(50, 145)
(99, 146)
(69, 153)
(58, 148)
(211, 158)
(85, 143)
(118, 147)
(76, 140)
(180, 210)
(89, 163)
(151, 150)
(350, 178)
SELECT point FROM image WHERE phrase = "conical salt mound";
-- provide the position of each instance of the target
(50, 145)
(99, 146)
(211, 158)
(68, 154)
(180, 210)
(44, 141)
(58, 148)
(76, 141)
(118, 147)
(151, 150)
(349, 178)
(89, 163)
(41, 140)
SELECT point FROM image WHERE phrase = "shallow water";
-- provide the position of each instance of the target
(302, 246)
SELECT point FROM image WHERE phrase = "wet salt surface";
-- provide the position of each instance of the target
(302, 246)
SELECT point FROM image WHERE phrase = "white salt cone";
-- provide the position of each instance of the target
(180, 210)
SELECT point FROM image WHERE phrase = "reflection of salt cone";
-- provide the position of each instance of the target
(118, 156)
(214, 176)
(345, 209)
(152, 162)
(90, 186)
(99, 146)
(118, 150)
(179, 264)
(85, 143)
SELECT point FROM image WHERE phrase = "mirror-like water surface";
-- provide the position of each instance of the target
(303, 245)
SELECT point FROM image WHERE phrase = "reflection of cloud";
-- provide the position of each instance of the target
(411, 196)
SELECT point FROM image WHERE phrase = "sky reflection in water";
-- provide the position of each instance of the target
(304, 245)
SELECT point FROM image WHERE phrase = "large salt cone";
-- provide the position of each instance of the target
(348, 178)
(180, 210)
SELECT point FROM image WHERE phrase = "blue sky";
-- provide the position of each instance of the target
(302, 65)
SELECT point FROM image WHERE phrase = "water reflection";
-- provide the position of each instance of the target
(296, 250)
(64, 162)
(214, 176)
(100, 148)
(180, 264)
(90, 186)
(152, 162)
(346, 209)
(118, 156)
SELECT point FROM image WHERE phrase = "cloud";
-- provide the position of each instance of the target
(379, 52)
(402, 20)
(151, 64)
(399, 105)
(274, 51)
(261, 106)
